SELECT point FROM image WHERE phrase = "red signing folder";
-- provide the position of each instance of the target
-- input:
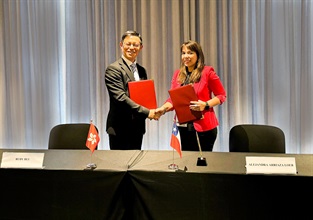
(143, 93)
(181, 98)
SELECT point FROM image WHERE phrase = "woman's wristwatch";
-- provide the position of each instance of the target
(207, 106)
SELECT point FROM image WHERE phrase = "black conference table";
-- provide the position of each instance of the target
(139, 185)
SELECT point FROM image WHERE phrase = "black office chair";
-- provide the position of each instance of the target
(256, 138)
(69, 136)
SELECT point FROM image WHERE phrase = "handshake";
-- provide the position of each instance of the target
(157, 113)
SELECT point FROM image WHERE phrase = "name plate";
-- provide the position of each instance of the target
(22, 160)
(271, 165)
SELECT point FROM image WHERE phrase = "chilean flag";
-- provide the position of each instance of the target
(175, 139)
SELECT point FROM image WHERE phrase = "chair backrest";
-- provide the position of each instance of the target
(256, 138)
(69, 136)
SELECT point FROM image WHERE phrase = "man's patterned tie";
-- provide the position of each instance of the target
(135, 71)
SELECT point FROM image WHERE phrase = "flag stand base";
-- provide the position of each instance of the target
(201, 161)
(173, 166)
(91, 166)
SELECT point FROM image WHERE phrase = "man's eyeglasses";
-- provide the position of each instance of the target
(135, 45)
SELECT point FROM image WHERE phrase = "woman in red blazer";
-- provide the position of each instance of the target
(210, 92)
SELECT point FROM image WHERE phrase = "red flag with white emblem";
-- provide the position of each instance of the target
(92, 138)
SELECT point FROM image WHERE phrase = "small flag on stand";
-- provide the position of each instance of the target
(92, 138)
(175, 139)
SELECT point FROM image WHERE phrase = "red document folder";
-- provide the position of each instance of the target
(181, 98)
(143, 93)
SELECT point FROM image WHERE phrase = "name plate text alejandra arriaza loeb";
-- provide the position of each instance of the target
(271, 165)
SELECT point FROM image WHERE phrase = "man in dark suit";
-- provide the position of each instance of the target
(126, 119)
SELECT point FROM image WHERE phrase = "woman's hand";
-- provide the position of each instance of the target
(197, 105)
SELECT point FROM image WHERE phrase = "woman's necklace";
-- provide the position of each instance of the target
(187, 81)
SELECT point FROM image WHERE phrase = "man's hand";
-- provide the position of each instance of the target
(151, 114)
(155, 114)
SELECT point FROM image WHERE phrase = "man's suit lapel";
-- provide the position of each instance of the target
(124, 67)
